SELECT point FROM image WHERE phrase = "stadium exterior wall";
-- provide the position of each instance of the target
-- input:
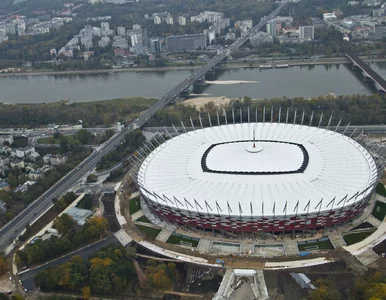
(255, 223)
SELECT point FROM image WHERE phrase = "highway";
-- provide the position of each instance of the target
(32, 212)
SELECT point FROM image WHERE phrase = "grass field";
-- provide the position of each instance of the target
(354, 238)
(379, 210)
(149, 231)
(134, 205)
(321, 245)
(381, 190)
(176, 239)
(143, 219)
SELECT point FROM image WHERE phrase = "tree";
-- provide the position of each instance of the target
(325, 290)
(86, 292)
(92, 178)
(64, 223)
(3, 265)
(12, 180)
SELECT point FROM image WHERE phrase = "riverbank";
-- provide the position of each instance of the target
(230, 65)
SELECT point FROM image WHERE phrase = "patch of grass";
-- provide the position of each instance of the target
(49, 140)
(143, 219)
(150, 232)
(357, 237)
(322, 245)
(176, 239)
(134, 205)
(380, 189)
(379, 210)
(132, 101)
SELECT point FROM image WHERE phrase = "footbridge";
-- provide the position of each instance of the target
(368, 72)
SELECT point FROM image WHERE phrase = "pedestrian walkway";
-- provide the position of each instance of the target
(204, 245)
(337, 240)
(367, 257)
(134, 195)
(123, 237)
(291, 247)
(261, 286)
(373, 221)
(164, 235)
(135, 216)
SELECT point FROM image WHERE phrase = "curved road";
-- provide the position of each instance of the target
(12, 229)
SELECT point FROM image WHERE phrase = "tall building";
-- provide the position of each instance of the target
(136, 27)
(105, 25)
(155, 45)
(379, 32)
(306, 32)
(185, 42)
(121, 31)
(157, 20)
(181, 20)
(271, 28)
(169, 20)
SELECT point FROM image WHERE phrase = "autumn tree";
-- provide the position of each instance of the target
(369, 287)
(325, 290)
(86, 292)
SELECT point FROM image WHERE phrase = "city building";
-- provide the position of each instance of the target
(79, 215)
(271, 28)
(207, 16)
(4, 185)
(3, 207)
(210, 34)
(121, 31)
(306, 32)
(260, 38)
(329, 16)
(57, 159)
(155, 45)
(6, 138)
(379, 32)
(223, 183)
(17, 163)
(244, 25)
(169, 20)
(104, 42)
(105, 26)
(157, 20)
(186, 42)
(120, 42)
(181, 20)
(136, 27)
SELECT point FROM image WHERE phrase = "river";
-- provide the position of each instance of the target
(305, 81)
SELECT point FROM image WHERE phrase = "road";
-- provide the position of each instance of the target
(27, 276)
(32, 212)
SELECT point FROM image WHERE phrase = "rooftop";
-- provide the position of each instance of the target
(296, 164)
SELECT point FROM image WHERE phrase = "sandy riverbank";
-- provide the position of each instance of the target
(201, 101)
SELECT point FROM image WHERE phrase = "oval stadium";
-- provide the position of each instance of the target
(257, 177)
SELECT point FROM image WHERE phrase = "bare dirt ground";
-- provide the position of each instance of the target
(201, 101)
(6, 284)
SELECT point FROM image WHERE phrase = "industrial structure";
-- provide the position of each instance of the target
(257, 177)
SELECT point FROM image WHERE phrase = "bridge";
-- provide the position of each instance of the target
(368, 72)
(10, 231)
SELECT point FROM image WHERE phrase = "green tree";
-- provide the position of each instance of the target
(92, 178)
(64, 223)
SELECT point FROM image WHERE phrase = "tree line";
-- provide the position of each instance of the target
(357, 109)
(108, 271)
(73, 237)
(92, 114)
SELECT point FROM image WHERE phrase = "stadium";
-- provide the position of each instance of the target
(257, 177)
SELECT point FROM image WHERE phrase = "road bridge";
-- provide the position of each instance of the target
(368, 72)
(34, 210)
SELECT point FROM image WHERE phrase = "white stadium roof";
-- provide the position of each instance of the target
(289, 163)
